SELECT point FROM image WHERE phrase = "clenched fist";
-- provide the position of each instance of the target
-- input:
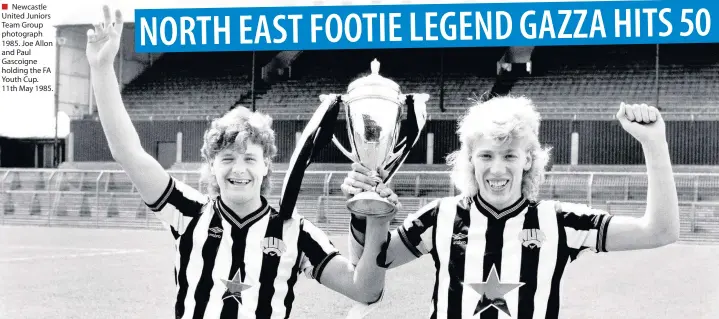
(643, 122)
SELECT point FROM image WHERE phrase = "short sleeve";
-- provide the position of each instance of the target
(178, 204)
(585, 227)
(416, 230)
(316, 249)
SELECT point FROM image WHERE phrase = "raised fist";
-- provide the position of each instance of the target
(643, 122)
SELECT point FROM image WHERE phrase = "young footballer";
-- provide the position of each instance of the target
(236, 257)
(499, 250)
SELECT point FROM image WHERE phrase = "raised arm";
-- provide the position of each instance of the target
(408, 242)
(362, 277)
(660, 224)
(146, 173)
(363, 281)
(373, 249)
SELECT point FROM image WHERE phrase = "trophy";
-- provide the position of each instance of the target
(373, 110)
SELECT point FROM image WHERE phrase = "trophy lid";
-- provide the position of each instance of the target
(374, 79)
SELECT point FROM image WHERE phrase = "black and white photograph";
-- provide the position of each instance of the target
(503, 182)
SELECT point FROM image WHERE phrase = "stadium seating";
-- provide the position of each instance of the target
(189, 86)
(581, 82)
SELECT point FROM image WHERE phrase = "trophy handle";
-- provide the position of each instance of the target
(344, 151)
(395, 155)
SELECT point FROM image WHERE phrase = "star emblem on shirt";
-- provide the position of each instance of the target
(493, 292)
(235, 287)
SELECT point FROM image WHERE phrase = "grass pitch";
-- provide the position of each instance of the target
(51, 272)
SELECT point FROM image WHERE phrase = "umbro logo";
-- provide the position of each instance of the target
(273, 246)
(459, 239)
(215, 232)
(459, 236)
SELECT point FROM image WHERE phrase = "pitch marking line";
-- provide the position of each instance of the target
(106, 252)
(16, 247)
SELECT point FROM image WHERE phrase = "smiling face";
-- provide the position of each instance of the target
(237, 151)
(239, 173)
(500, 156)
(499, 169)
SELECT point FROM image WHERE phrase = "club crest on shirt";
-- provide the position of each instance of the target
(532, 238)
(273, 246)
(215, 232)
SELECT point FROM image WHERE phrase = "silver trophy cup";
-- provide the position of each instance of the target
(373, 110)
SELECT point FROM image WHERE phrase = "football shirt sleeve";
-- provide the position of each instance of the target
(585, 227)
(316, 249)
(178, 204)
(416, 230)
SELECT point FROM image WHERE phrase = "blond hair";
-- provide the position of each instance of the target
(502, 119)
(234, 130)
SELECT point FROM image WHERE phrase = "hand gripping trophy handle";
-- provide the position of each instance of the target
(373, 109)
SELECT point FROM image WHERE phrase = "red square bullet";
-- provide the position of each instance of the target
(4, 6)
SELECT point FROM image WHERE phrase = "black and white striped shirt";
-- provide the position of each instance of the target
(528, 245)
(228, 267)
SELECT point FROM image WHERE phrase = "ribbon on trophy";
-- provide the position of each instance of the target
(416, 119)
(316, 135)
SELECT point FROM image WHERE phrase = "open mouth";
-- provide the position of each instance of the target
(497, 184)
(238, 181)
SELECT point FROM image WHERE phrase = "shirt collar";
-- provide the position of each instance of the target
(230, 215)
(509, 212)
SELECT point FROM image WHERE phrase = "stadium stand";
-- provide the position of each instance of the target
(583, 81)
(578, 85)
(413, 70)
(190, 85)
(565, 82)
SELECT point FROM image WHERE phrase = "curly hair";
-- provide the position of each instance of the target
(234, 130)
(503, 119)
